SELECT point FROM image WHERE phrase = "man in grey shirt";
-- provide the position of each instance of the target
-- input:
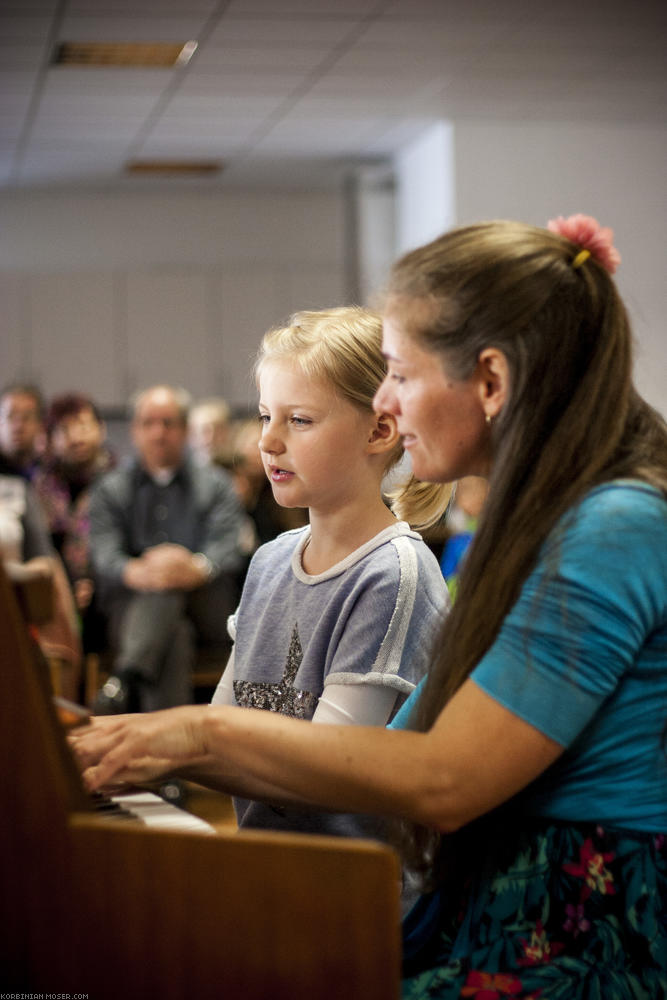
(165, 550)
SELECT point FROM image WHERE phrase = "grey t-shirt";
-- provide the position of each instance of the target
(371, 619)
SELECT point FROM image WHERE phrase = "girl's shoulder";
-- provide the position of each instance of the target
(389, 545)
(396, 556)
(282, 545)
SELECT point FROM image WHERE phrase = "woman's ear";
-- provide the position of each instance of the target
(492, 380)
(384, 434)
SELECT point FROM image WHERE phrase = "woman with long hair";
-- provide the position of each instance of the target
(532, 777)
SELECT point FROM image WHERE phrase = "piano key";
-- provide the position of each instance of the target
(103, 804)
(154, 811)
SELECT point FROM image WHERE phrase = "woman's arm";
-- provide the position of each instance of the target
(477, 755)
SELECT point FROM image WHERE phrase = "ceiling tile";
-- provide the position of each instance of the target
(281, 88)
(291, 31)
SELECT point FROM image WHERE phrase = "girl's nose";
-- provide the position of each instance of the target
(269, 440)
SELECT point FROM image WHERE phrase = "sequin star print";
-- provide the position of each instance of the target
(282, 697)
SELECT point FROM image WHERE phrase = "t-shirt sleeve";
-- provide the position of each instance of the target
(224, 692)
(583, 614)
(387, 626)
(356, 705)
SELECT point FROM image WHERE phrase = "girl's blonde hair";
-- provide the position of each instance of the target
(344, 346)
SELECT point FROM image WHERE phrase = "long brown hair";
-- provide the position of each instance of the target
(572, 418)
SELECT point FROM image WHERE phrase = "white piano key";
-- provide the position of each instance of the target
(154, 811)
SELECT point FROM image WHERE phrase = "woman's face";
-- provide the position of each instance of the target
(441, 419)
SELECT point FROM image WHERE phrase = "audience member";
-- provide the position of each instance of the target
(76, 456)
(22, 427)
(24, 539)
(460, 526)
(209, 432)
(164, 543)
(533, 773)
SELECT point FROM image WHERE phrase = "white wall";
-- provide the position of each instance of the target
(107, 292)
(530, 171)
(375, 208)
(615, 172)
(425, 187)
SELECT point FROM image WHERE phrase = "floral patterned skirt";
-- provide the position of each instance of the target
(578, 913)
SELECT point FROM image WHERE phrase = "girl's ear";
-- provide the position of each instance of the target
(384, 435)
(492, 380)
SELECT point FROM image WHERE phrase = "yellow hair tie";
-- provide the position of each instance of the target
(582, 256)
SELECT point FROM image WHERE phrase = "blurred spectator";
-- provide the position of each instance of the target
(76, 456)
(24, 539)
(164, 543)
(22, 427)
(209, 431)
(460, 526)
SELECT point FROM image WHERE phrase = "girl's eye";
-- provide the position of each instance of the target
(300, 421)
(263, 418)
(400, 379)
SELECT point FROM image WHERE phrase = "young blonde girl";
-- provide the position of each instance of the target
(324, 629)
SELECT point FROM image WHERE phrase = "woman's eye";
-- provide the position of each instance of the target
(300, 421)
(263, 418)
(400, 379)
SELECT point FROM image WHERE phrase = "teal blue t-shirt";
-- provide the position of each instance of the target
(582, 656)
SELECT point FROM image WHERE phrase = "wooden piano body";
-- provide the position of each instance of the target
(110, 909)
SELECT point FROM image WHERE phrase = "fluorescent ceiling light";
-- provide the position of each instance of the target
(173, 167)
(124, 53)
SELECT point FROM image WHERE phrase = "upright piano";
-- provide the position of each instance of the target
(108, 909)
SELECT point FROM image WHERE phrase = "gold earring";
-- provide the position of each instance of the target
(488, 419)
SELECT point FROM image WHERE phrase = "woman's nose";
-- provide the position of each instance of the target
(383, 401)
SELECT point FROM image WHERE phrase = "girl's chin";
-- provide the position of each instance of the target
(283, 499)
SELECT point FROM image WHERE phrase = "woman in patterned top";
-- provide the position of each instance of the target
(533, 774)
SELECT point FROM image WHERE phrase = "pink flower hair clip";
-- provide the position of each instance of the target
(595, 240)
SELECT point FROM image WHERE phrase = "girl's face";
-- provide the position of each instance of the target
(441, 419)
(313, 443)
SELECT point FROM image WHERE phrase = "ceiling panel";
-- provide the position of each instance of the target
(297, 90)
(22, 31)
(306, 8)
(239, 83)
(299, 32)
(118, 84)
(147, 8)
(156, 28)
